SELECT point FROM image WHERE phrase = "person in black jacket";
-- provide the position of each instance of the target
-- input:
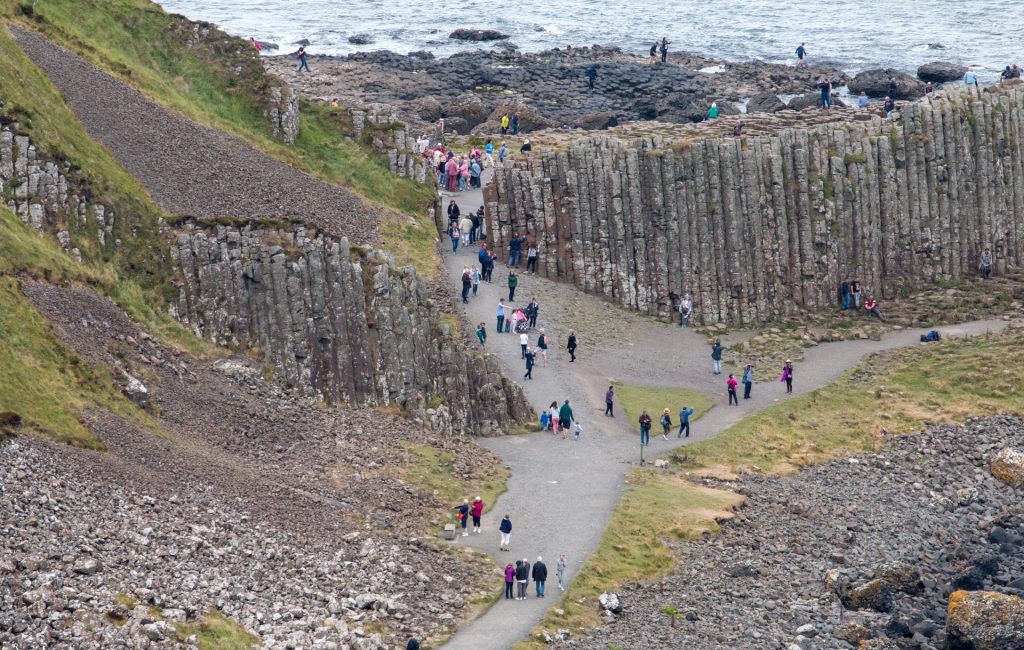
(530, 356)
(522, 578)
(540, 574)
(571, 347)
(453, 213)
(412, 644)
(506, 532)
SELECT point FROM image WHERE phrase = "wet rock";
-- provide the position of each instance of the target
(941, 72)
(876, 82)
(361, 39)
(464, 34)
(984, 620)
(765, 103)
(811, 100)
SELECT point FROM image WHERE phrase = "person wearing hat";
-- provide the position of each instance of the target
(527, 147)
(476, 512)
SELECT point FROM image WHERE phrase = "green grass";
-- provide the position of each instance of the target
(218, 632)
(633, 399)
(22, 250)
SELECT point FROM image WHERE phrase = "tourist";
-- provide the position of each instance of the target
(452, 170)
(527, 147)
(986, 264)
(737, 130)
(489, 154)
(748, 380)
(455, 239)
(971, 79)
(504, 125)
(501, 313)
(560, 572)
(787, 375)
(542, 345)
(413, 643)
(259, 48)
(481, 333)
(565, 415)
(801, 52)
(478, 223)
(505, 528)
(609, 402)
(463, 515)
(503, 152)
(476, 512)
(531, 257)
(855, 290)
(467, 282)
(466, 226)
(862, 100)
(474, 173)
(730, 385)
(530, 355)
(591, 75)
(890, 107)
(510, 578)
(553, 412)
(524, 342)
(654, 52)
(442, 173)
(666, 423)
(893, 88)
(571, 346)
(685, 306)
(928, 88)
(577, 429)
(713, 111)
(523, 578)
(684, 422)
(476, 280)
(716, 356)
(513, 282)
(540, 576)
(844, 294)
(532, 310)
(645, 429)
(463, 175)
(826, 93)
(515, 124)
(664, 49)
(515, 247)
(871, 307)
(303, 59)
(453, 212)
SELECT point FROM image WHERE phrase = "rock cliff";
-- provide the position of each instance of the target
(758, 228)
(338, 322)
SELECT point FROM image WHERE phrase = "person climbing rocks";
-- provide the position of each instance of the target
(542, 345)
(515, 248)
(666, 423)
(481, 333)
(504, 125)
(825, 86)
(971, 79)
(463, 509)
(501, 314)
(532, 310)
(513, 282)
(985, 266)
(510, 579)
(609, 402)
(664, 49)
(862, 100)
(522, 578)
(505, 528)
(591, 75)
(560, 571)
(844, 294)
(527, 147)
(531, 258)
(685, 307)
(571, 346)
(855, 291)
(684, 422)
(524, 342)
(540, 576)
(654, 52)
(467, 283)
(801, 52)
(645, 429)
(530, 355)
(476, 512)
(787, 375)
(871, 308)
(455, 235)
(565, 415)
(730, 385)
(748, 380)
(713, 111)
(716, 356)
(303, 58)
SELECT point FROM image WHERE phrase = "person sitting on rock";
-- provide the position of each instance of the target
(527, 147)
(737, 130)
(890, 107)
(871, 307)
(862, 100)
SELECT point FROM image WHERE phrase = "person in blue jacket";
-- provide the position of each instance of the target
(684, 422)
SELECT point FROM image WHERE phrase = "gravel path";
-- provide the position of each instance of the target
(562, 492)
(190, 169)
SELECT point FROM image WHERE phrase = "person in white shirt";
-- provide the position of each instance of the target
(524, 342)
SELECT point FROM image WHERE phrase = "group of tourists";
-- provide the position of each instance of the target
(522, 572)
(561, 418)
(461, 172)
(850, 291)
(665, 422)
(465, 229)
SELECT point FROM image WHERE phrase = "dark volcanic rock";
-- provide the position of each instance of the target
(812, 100)
(467, 108)
(477, 35)
(765, 103)
(941, 71)
(876, 84)
(360, 39)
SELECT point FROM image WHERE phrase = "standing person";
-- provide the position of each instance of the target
(540, 576)
(730, 385)
(666, 423)
(523, 578)
(609, 402)
(684, 422)
(971, 79)
(303, 58)
(489, 154)
(506, 533)
(475, 172)
(801, 52)
(825, 86)
(455, 235)
(467, 282)
(515, 247)
(871, 307)
(531, 257)
(591, 75)
(524, 342)
(844, 293)
(645, 429)
(463, 515)
(664, 49)
(654, 52)
(488, 266)
(501, 314)
(571, 346)
(855, 290)
(515, 124)
(565, 415)
(259, 48)
(503, 152)
(787, 375)
(451, 169)
(513, 281)
(476, 512)
(553, 412)
(748, 380)
(685, 307)
(453, 212)
(577, 429)
(716, 356)
(510, 578)
(986, 264)
(476, 279)
(481, 333)
(893, 88)
(542, 345)
(533, 309)
(478, 223)
(529, 356)
(504, 125)
(713, 111)
(560, 572)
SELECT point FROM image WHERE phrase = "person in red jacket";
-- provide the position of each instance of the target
(476, 511)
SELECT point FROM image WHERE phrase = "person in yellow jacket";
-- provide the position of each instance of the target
(504, 124)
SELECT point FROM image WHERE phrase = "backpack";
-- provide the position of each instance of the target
(933, 335)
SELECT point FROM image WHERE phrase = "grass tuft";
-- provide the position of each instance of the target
(218, 632)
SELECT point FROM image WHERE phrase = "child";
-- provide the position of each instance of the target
(576, 431)
(476, 279)
(481, 333)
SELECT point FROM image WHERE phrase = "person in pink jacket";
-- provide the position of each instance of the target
(476, 512)
(510, 578)
(452, 170)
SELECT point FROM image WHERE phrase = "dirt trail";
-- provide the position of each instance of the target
(190, 169)
(562, 492)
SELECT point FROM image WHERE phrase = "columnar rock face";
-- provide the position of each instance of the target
(757, 228)
(338, 322)
(391, 137)
(283, 112)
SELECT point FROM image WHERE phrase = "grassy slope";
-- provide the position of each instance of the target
(633, 399)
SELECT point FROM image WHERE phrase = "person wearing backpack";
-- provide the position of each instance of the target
(645, 429)
(730, 385)
(666, 423)
(716, 356)
(684, 422)
(542, 345)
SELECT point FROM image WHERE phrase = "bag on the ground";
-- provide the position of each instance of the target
(933, 335)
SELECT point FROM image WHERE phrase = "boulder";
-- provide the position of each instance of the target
(982, 620)
(596, 121)
(529, 118)
(610, 602)
(941, 72)
(875, 83)
(467, 107)
(360, 39)
(811, 100)
(87, 567)
(973, 576)
(875, 594)
(1008, 467)
(136, 391)
(477, 35)
(427, 109)
(765, 103)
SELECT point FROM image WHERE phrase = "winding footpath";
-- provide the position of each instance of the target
(561, 492)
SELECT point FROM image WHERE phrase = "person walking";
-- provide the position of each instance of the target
(787, 375)
(553, 413)
(871, 307)
(971, 79)
(666, 423)
(748, 380)
(481, 333)
(565, 415)
(530, 355)
(985, 266)
(591, 75)
(466, 229)
(801, 52)
(515, 247)
(645, 429)
(489, 154)
(542, 345)
(510, 579)
(476, 511)
(730, 385)
(524, 342)
(684, 422)
(540, 576)
(463, 515)
(503, 152)
(531, 258)
(455, 235)
(664, 49)
(571, 346)
(685, 307)
(522, 578)
(513, 282)
(505, 528)
(716, 356)
(501, 314)
(609, 399)
(453, 212)
(577, 429)
(560, 572)
(488, 267)
(467, 283)
(303, 58)
(844, 294)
